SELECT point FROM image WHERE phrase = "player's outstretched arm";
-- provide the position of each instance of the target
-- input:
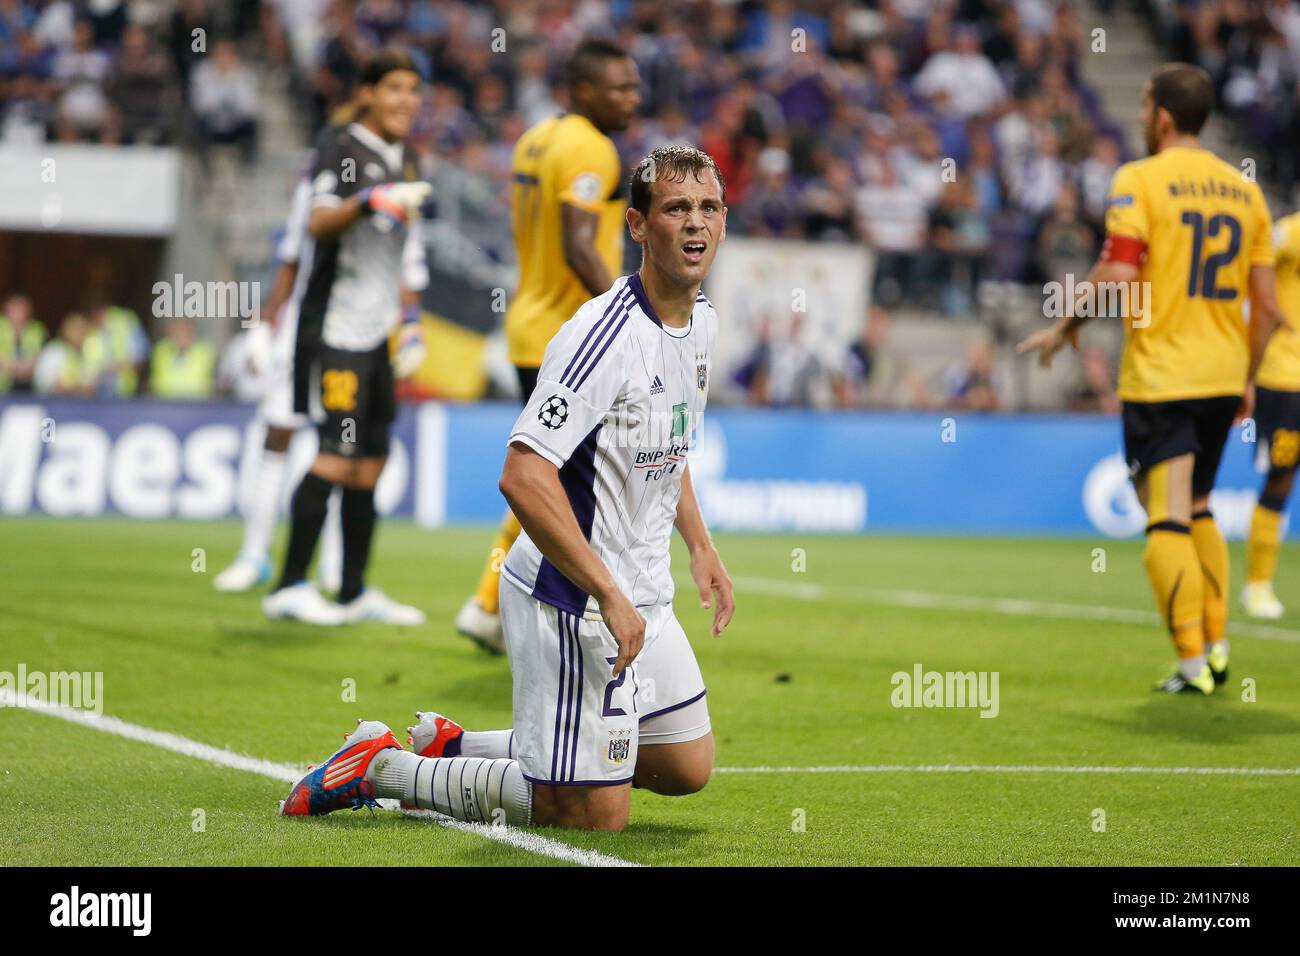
(706, 564)
(532, 488)
(1065, 331)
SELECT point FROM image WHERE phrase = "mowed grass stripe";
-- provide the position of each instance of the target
(520, 839)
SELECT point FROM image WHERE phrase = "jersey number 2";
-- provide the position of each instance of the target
(1202, 279)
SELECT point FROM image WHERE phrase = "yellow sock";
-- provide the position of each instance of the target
(486, 595)
(1212, 551)
(1175, 573)
(1263, 544)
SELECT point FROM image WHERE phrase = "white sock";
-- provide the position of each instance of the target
(1191, 667)
(488, 743)
(330, 567)
(477, 789)
(1219, 645)
(264, 508)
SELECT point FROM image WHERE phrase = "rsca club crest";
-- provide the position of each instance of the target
(554, 412)
(701, 372)
(620, 748)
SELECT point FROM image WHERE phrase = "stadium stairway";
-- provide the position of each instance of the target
(1131, 55)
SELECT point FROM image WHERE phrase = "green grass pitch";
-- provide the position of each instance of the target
(802, 679)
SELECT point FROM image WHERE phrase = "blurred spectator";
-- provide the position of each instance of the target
(183, 366)
(21, 340)
(83, 111)
(786, 371)
(1067, 246)
(142, 90)
(1096, 390)
(974, 384)
(118, 347)
(893, 220)
(223, 95)
(871, 375)
(959, 238)
(965, 74)
(1095, 174)
(66, 366)
(771, 204)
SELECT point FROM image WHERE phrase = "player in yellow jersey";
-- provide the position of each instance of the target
(1277, 424)
(1188, 238)
(567, 211)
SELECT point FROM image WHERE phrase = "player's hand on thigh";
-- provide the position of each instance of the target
(627, 626)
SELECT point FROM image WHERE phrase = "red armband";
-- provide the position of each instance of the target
(1123, 249)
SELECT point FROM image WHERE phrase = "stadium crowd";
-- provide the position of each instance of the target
(955, 138)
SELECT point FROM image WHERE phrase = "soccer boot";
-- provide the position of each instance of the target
(1176, 683)
(244, 575)
(1216, 659)
(1258, 600)
(302, 602)
(432, 735)
(341, 781)
(481, 626)
(374, 605)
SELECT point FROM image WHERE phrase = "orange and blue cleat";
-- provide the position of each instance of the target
(341, 781)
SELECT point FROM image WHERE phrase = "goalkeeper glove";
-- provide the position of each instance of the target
(410, 344)
(259, 352)
(394, 203)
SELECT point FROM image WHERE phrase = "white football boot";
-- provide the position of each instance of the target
(1258, 600)
(302, 602)
(374, 605)
(480, 626)
(243, 575)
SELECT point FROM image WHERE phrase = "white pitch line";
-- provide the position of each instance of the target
(288, 773)
(1028, 768)
(1016, 607)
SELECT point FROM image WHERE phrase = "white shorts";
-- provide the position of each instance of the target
(276, 407)
(575, 724)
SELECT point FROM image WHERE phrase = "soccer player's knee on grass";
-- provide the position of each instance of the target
(581, 808)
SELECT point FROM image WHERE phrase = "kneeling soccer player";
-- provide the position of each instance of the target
(1277, 420)
(607, 692)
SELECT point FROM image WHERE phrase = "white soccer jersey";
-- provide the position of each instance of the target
(617, 401)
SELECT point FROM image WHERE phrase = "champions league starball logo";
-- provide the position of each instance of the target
(554, 412)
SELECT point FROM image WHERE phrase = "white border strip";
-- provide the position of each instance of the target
(1015, 607)
(1028, 768)
(511, 836)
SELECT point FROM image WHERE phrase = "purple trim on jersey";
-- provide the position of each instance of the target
(643, 300)
(623, 315)
(581, 352)
(559, 702)
(528, 586)
(577, 720)
(669, 710)
(577, 783)
(578, 476)
(570, 725)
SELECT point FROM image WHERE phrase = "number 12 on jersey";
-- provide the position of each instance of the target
(1202, 278)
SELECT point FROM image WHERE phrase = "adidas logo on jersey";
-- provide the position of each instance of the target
(657, 386)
